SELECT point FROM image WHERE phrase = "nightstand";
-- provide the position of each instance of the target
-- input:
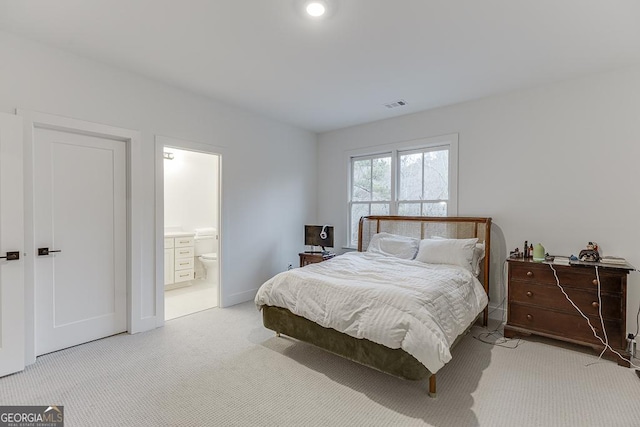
(307, 258)
(537, 306)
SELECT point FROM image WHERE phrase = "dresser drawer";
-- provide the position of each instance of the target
(551, 297)
(531, 272)
(184, 252)
(168, 242)
(183, 263)
(181, 242)
(576, 277)
(564, 325)
(183, 275)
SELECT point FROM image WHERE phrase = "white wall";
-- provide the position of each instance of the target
(190, 190)
(558, 164)
(267, 196)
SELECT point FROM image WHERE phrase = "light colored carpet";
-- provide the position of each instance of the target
(220, 367)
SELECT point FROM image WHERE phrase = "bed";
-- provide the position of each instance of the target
(384, 307)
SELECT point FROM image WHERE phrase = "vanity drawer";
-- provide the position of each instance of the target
(181, 242)
(551, 297)
(168, 242)
(183, 275)
(183, 263)
(184, 252)
(564, 325)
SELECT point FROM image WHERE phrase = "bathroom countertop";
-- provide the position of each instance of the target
(179, 234)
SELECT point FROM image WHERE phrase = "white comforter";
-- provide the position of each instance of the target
(418, 307)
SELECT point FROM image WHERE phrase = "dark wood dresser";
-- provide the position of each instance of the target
(536, 305)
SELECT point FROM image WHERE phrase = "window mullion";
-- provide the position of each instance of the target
(393, 203)
(370, 183)
(422, 186)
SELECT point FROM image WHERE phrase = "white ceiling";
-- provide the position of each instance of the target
(264, 56)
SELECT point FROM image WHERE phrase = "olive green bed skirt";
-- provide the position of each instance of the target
(392, 361)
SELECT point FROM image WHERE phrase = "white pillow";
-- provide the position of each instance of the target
(447, 251)
(393, 245)
(478, 256)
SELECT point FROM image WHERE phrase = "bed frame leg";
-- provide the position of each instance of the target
(485, 316)
(432, 386)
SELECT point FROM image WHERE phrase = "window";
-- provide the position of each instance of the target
(370, 189)
(423, 182)
(403, 181)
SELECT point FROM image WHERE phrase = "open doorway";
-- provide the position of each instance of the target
(191, 231)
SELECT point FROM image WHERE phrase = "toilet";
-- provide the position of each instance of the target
(206, 250)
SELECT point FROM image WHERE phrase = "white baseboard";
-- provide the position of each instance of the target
(239, 297)
(497, 312)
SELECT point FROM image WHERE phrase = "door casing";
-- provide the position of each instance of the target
(11, 231)
(160, 143)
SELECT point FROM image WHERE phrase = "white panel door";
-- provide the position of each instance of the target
(11, 240)
(79, 211)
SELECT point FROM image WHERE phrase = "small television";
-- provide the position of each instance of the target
(318, 235)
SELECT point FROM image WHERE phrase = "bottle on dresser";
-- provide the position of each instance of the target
(526, 250)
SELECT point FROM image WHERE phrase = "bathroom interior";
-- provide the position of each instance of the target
(191, 231)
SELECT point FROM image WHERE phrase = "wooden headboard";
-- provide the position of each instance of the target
(423, 227)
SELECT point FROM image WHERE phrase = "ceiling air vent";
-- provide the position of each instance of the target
(396, 104)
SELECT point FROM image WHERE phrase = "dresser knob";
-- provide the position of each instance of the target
(595, 304)
(529, 317)
(529, 273)
(595, 282)
(529, 293)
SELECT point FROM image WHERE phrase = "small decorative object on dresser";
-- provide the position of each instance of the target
(538, 306)
(590, 254)
(538, 253)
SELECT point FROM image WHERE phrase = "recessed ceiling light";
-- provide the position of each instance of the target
(316, 9)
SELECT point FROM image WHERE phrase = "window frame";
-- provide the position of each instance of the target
(394, 151)
(421, 201)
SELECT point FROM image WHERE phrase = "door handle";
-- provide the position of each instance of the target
(11, 256)
(46, 251)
